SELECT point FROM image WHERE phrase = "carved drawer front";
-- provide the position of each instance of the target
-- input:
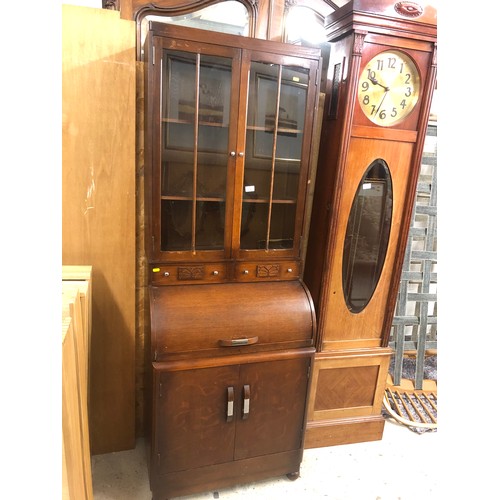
(267, 271)
(228, 318)
(181, 274)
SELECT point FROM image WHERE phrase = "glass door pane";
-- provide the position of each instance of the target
(196, 92)
(275, 129)
(367, 236)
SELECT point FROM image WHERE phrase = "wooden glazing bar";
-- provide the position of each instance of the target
(195, 152)
(273, 160)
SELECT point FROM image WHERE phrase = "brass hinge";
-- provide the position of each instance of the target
(161, 390)
(154, 54)
(156, 354)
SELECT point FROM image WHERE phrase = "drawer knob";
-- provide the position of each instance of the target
(289, 270)
(166, 273)
(216, 273)
(245, 271)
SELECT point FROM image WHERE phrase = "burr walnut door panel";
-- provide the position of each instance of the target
(192, 423)
(276, 393)
(216, 415)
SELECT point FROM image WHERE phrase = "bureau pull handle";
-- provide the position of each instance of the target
(246, 401)
(236, 342)
(230, 404)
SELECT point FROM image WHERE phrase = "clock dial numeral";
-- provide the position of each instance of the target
(390, 79)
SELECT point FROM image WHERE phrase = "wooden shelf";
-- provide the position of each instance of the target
(278, 201)
(190, 198)
(281, 130)
(200, 122)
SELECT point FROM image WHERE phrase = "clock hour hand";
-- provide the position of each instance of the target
(376, 82)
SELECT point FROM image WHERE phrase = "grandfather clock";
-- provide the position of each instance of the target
(380, 80)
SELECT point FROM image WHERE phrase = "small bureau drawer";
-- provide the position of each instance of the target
(267, 271)
(181, 274)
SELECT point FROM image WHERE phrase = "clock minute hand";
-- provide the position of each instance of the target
(380, 105)
(376, 82)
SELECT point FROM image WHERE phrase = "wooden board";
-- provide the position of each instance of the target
(98, 212)
(76, 464)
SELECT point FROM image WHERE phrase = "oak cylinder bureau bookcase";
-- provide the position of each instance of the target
(380, 79)
(229, 128)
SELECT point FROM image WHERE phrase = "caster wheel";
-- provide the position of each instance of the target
(293, 476)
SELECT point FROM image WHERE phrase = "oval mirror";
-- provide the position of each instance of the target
(367, 236)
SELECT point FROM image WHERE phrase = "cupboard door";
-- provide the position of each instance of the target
(273, 398)
(280, 93)
(192, 138)
(195, 418)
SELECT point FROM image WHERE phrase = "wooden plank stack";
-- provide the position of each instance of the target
(76, 321)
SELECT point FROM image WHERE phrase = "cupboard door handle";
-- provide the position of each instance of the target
(246, 401)
(230, 404)
(236, 342)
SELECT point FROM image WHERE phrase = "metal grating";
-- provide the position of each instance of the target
(414, 326)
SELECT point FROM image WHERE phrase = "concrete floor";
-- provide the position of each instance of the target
(401, 466)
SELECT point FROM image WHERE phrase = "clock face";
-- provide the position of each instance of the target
(389, 87)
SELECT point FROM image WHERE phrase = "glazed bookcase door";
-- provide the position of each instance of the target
(231, 148)
(276, 155)
(194, 128)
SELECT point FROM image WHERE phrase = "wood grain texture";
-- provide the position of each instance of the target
(98, 226)
(197, 448)
(344, 431)
(77, 473)
(142, 278)
(346, 394)
(348, 384)
(194, 319)
(340, 324)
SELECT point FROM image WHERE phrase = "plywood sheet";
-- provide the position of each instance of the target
(98, 194)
